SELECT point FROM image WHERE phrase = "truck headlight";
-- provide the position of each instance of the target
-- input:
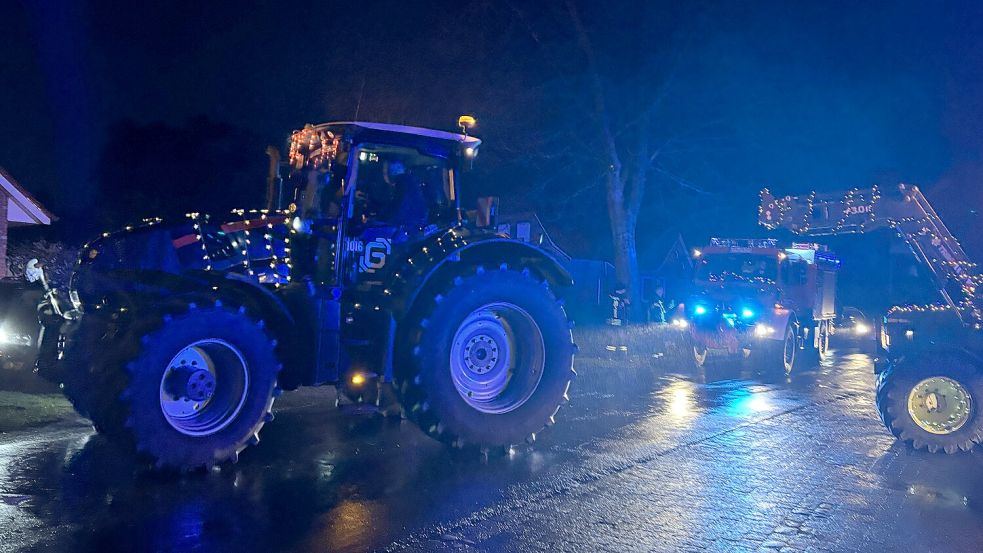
(761, 330)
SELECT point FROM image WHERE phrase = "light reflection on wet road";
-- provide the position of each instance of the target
(716, 460)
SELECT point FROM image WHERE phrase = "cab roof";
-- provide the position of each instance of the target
(435, 141)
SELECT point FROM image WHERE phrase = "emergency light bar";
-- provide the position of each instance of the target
(744, 242)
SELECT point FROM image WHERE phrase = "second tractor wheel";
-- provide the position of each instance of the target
(489, 360)
(197, 389)
(933, 403)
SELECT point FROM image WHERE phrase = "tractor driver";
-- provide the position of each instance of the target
(408, 207)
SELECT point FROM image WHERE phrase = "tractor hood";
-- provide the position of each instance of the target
(254, 247)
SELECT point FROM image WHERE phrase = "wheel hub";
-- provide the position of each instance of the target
(939, 405)
(481, 354)
(497, 358)
(204, 387)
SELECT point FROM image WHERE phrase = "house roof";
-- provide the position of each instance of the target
(22, 207)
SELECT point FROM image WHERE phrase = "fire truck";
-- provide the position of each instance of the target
(766, 303)
(930, 357)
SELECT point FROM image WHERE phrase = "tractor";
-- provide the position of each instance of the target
(929, 360)
(176, 338)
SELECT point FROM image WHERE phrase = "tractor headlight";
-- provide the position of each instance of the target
(761, 330)
(301, 225)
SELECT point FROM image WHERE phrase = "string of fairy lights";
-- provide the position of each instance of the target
(312, 146)
(922, 231)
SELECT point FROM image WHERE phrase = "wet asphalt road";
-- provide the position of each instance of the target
(639, 461)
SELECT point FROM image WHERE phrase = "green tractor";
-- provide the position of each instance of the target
(179, 337)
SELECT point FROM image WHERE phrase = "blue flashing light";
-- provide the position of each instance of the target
(700, 310)
(746, 313)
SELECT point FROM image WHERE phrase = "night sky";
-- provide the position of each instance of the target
(789, 95)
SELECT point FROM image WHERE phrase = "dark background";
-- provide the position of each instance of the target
(114, 111)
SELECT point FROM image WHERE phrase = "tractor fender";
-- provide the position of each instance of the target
(150, 289)
(438, 260)
(157, 291)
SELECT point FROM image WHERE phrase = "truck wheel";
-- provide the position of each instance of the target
(777, 357)
(489, 362)
(823, 333)
(933, 403)
(199, 388)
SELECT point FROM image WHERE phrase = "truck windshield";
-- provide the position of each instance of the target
(738, 267)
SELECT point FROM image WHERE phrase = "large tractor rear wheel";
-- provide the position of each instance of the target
(195, 390)
(933, 403)
(489, 360)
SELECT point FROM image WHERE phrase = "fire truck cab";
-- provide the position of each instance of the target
(752, 298)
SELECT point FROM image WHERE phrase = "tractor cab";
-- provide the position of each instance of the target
(366, 189)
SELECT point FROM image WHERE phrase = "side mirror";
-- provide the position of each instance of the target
(33, 271)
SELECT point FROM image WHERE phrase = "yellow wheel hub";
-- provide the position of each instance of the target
(940, 405)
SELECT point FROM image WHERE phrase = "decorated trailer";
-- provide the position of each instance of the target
(754, 299)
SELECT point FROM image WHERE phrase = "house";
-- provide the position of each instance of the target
(17, 208)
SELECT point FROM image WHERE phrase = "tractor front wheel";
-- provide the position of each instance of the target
(933, 403)
(195, 389)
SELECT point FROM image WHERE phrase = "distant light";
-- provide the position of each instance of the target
(362, 156)
(762, 330)
(697, 253)
(700, 310)
(861, 329)
(909, 334)
(747, 313)
(781, 256)
(680, 323)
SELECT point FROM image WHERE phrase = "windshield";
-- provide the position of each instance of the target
(738, 267)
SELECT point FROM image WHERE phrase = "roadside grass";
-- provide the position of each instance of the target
(20, 410)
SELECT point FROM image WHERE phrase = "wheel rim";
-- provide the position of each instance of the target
(940, 405)
(497, 358)
(204, 387)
